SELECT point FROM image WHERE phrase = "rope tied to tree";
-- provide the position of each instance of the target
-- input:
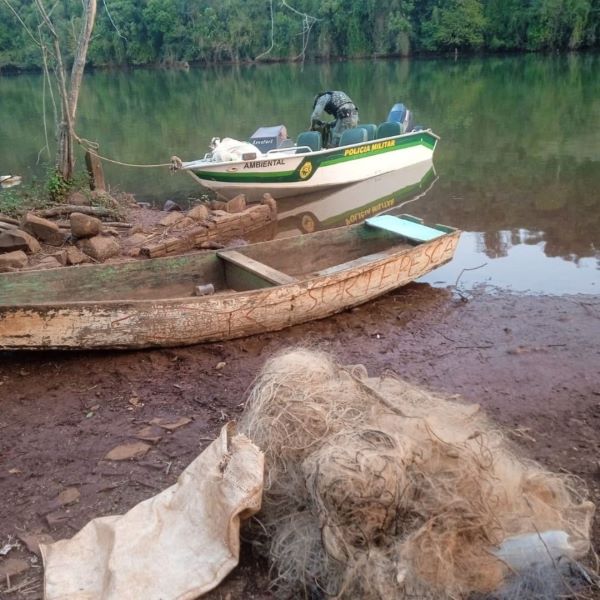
(92, 148)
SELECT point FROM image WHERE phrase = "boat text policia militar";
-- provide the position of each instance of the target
(369, 147)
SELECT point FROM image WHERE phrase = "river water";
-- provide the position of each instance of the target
(517, 168)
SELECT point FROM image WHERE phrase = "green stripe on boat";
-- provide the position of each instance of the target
(326, 159)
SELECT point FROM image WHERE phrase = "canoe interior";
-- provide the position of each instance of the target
(294, 258)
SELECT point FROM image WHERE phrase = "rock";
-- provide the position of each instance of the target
(11, 567)
(237, 204)
(33, 540)
(184, 224)
(16, 239)
(68, 496)
(198, 213)
(137, 239)
(61, 257)
(171, 206)
(217, 205)
(171, 219)
(49, 262)
(13, 260)
(169, 424)
(133, 244)
(133, 252)
(43, 229)
(56, 518)
(85, 226)
(221, 365)
(137, 228)
(78, 199)
(100, 248)
(128, 451)
(76, 257)
(150, 434)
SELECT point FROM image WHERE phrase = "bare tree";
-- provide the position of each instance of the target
(68, 90)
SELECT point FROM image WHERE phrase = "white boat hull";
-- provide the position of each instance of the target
(287, 174)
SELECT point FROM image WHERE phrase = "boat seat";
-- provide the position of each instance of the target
(389, 129)
(312, 139)
(371, 130)
(264, 272)
(411, 230)
(356, 135)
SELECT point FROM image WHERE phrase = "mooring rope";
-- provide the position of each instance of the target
(92, 148)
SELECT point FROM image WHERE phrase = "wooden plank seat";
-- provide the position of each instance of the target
(262, 271)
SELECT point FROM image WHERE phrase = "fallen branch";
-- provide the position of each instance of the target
(67, 224)
(464, 297)
(67, 209)
(118, 224)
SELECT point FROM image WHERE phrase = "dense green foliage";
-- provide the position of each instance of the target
(138, 32)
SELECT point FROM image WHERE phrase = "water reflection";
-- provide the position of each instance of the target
(354, 203)
(517, 259)
(521, 267)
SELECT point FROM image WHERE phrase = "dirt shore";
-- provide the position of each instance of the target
(533, 363)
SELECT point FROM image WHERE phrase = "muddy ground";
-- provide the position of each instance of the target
(532, 362)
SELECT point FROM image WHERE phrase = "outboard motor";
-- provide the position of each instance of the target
(400, 114)
(269, 138)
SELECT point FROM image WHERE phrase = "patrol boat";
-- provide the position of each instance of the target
(271, 162)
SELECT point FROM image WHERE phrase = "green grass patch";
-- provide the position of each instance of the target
(18, 200)
(39, 193)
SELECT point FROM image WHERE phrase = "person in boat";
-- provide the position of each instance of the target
(339, 105)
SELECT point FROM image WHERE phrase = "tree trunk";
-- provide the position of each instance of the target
(85, 34)
(65, 155)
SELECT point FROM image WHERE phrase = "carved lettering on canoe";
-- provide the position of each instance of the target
(348, 285)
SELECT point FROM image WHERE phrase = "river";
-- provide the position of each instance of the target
(517, 167)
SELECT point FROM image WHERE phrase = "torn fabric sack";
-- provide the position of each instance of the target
(174, 546)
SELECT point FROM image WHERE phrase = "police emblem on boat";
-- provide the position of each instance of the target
(306, 170)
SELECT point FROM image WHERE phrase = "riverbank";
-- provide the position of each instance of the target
(531, 362)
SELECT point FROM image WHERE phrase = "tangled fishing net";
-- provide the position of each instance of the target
(375, 488)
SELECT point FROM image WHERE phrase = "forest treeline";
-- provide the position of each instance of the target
(141, 32)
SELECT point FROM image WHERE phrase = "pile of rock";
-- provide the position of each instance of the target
(39, 243)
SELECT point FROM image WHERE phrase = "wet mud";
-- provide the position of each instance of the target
(532, 362)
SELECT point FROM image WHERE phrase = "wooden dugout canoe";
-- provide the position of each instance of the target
(258, 288)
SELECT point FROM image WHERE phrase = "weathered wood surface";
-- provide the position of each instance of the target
(190, 320)
(9, 220)
(95, 171)
(219, 227)
(263, 271)
(67, 209)
(118, 224)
